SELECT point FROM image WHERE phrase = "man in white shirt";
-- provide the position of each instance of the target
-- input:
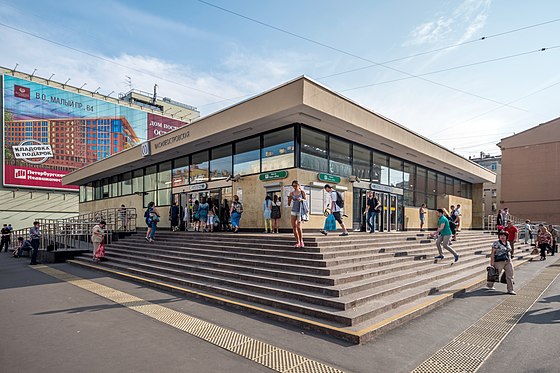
(335, 209)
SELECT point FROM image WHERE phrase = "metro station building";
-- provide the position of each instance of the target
(301, 131)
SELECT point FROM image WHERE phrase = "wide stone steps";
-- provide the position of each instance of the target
(339, 287)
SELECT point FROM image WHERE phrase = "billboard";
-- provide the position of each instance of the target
(50, 132)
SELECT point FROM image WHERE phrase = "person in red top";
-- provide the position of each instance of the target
(512, 234)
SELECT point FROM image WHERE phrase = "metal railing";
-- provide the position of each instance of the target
(75, 233)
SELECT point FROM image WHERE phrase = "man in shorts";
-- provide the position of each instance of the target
(335, 210)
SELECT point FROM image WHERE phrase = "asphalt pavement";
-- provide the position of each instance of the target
(49, 325)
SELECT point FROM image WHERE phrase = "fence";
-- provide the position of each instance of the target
(75, 233)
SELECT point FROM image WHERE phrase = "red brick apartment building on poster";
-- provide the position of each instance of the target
(530, 185)
(75, 142)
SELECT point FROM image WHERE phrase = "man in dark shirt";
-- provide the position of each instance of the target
(4, 243)
(35, 235)
(372, 205)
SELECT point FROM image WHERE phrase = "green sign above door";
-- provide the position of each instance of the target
(329, 178)
(273, 175)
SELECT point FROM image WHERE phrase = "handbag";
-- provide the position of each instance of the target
(492, 274)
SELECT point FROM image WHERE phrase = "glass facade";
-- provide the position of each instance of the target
(275, 150)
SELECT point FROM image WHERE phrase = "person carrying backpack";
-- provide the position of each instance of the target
(236, 211)
(337, 204)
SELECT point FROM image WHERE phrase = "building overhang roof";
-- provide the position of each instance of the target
(301, 100)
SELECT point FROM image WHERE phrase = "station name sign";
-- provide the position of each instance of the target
(386, 188)
(172, 140)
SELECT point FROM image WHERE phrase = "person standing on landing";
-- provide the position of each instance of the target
(443, 235)
(500, 258)
(422, 212)
(35, 235)
(295, 200)
(554, 233)
(512, 235)
(335, 209)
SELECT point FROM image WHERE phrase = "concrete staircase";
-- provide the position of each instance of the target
(349, 287)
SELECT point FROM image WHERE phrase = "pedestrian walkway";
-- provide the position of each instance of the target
(67, 328)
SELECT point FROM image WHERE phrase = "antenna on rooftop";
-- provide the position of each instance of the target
(155, 94)
(128, 81)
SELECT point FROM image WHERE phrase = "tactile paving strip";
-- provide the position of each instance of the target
(466, 352)
(262, 353)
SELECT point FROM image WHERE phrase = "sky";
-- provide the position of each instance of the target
(462, 73)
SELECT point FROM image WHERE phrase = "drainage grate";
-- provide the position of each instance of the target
(262, 353)
(471, 348)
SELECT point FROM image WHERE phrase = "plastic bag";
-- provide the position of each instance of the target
(330, 223)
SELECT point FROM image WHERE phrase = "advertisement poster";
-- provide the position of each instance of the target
(49, 132)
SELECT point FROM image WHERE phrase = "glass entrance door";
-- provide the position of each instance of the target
(358, 207)
(393, 212)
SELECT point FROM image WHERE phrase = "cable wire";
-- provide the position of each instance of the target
(443, 48)
(354, 55)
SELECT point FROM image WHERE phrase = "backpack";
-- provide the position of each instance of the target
(239, 208)
(339, 200)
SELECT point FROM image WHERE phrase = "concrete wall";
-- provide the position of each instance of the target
(531, 173)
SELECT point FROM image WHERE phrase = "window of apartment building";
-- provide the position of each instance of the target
(339, 157)
(493, 166)
(221, 162)
(246, 160)
(278, 150)
(361, 162)
(314, 150)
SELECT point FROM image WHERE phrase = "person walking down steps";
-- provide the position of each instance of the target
(443, 235)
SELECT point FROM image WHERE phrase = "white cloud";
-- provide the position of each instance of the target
(456, 27)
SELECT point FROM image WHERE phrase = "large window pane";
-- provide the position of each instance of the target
(339, 153)
(449, 185)
(408, 198)
(361, 162)
(432, 183)
(419, 198)
(431, 201)
(164, 197)
(180, 175)
(464, 189)
(440, 184)
(247, 157)
(380, 169)
(221, 162)
(137, 181)
(150, 178)
(420, 180)
(457, 187)
(164, 175)
(89, 192)
(408, 176)
(106, 183)
(278, 150)
(313, 150)
(82, 193)
(396, 173)
(127, 184)
(199, 167)
(114, 187)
